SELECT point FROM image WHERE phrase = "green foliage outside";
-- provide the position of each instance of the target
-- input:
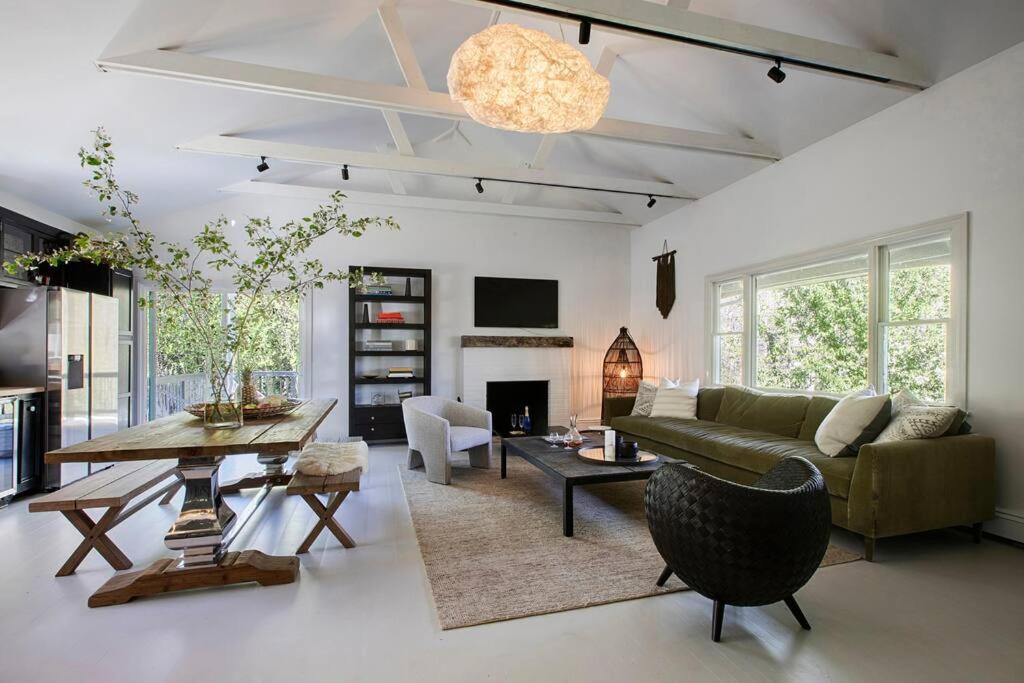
(272, 336)
(815, 336)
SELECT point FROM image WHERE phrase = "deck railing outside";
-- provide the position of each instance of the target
(174, 392)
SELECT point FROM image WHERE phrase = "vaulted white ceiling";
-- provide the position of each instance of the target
(53, 94)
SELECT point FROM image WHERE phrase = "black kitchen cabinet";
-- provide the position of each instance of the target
(30, 443)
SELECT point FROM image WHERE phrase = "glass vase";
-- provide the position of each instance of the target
(573, 438)
(222, 415)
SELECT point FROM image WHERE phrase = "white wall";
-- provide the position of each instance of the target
(31, 210)
(956, 147)
(590, 261)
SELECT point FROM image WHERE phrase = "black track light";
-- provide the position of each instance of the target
(479, 186)
(263, 165)
(651, 201)
(344, 172)
(776, 73)
(584, 32)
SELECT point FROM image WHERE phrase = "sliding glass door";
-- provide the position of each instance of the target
(177, 367)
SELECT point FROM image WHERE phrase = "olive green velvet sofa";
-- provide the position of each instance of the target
(888, 489)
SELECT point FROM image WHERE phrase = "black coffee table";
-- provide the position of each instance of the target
(563, 465)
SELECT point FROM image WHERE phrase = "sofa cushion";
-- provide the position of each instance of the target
(817, 410)
(709, 400)
(752, 451)
(464, 438)
(773, 413)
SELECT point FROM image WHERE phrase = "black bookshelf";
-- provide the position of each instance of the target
(377, 423)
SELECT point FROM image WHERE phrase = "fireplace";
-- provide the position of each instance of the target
(507, 398)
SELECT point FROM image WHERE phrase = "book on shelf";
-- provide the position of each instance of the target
(390, 317)
(378, 290)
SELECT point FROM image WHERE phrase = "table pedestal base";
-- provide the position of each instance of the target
(165, 576)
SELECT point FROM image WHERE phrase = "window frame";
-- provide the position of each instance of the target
(956, 227)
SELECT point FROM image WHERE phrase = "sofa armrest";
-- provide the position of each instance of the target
(616, 407)
(901, 487)
(462, 415)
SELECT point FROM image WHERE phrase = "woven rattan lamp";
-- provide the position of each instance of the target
(623, 369)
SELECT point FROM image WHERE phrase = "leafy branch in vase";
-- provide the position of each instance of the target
(278, 265)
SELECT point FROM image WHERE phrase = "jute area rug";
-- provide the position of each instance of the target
(493, 548)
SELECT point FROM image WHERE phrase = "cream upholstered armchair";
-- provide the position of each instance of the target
(437, 427)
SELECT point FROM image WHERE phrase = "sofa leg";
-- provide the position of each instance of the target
(976, 530)
(798, 613)
(665, 574)
(869, 549)
(717, 617)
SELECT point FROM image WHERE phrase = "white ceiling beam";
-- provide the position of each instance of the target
(398, 134)
(672, 22)
(413, 75)
(433, 203)
(402, 46)
(547, 143)
(291, 83)
(305, 154)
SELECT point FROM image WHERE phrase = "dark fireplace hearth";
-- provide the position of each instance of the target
(507, 398)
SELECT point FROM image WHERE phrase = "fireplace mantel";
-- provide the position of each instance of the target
(509, 342)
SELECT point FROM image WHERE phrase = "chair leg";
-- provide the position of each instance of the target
(869, 549)
(798, 613)
(480, 456)
(717, 618)
(439, 469)
(976, 530)
(415, 459)
(665, 574)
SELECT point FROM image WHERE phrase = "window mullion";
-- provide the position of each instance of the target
(748, 357)
(878, 304)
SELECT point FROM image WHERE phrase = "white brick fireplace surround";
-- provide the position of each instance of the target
(518, 359)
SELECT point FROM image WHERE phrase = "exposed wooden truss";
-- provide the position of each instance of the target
(292, 83)
(325, 156)
(434, 203)
(673, 22)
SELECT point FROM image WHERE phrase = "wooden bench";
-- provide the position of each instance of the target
(338, 486)
(113, 488)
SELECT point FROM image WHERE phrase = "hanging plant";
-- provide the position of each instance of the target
(278, 266)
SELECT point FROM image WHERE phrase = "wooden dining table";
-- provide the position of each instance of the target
(206, 525)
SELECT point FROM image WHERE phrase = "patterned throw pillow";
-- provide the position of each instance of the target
(914, 419)
(644, 399)
(676, 400)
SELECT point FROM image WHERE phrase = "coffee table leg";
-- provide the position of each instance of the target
(567, 509)
(504, 453)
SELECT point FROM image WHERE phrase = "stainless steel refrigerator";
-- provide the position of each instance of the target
(66, 341)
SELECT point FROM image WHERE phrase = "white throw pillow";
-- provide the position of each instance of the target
(912, 418)
(676, 400)
(857, 419)
(644, 399)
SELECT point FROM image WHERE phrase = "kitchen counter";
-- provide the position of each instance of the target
(20, 391)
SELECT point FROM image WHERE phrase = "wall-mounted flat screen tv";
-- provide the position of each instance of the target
(515, 302)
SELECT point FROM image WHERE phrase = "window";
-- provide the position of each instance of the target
(812, 326)
(728, 332)
(176, 364)
(887, 312)
(915, 317)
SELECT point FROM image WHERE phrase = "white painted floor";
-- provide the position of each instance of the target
(933, 608)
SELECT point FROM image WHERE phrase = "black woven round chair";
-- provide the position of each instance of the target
(740, 545)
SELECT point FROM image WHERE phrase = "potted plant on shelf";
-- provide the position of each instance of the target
(273, 263)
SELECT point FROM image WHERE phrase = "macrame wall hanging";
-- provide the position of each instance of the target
(666, 279)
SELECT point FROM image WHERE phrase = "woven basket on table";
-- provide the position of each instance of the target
(252, 413)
